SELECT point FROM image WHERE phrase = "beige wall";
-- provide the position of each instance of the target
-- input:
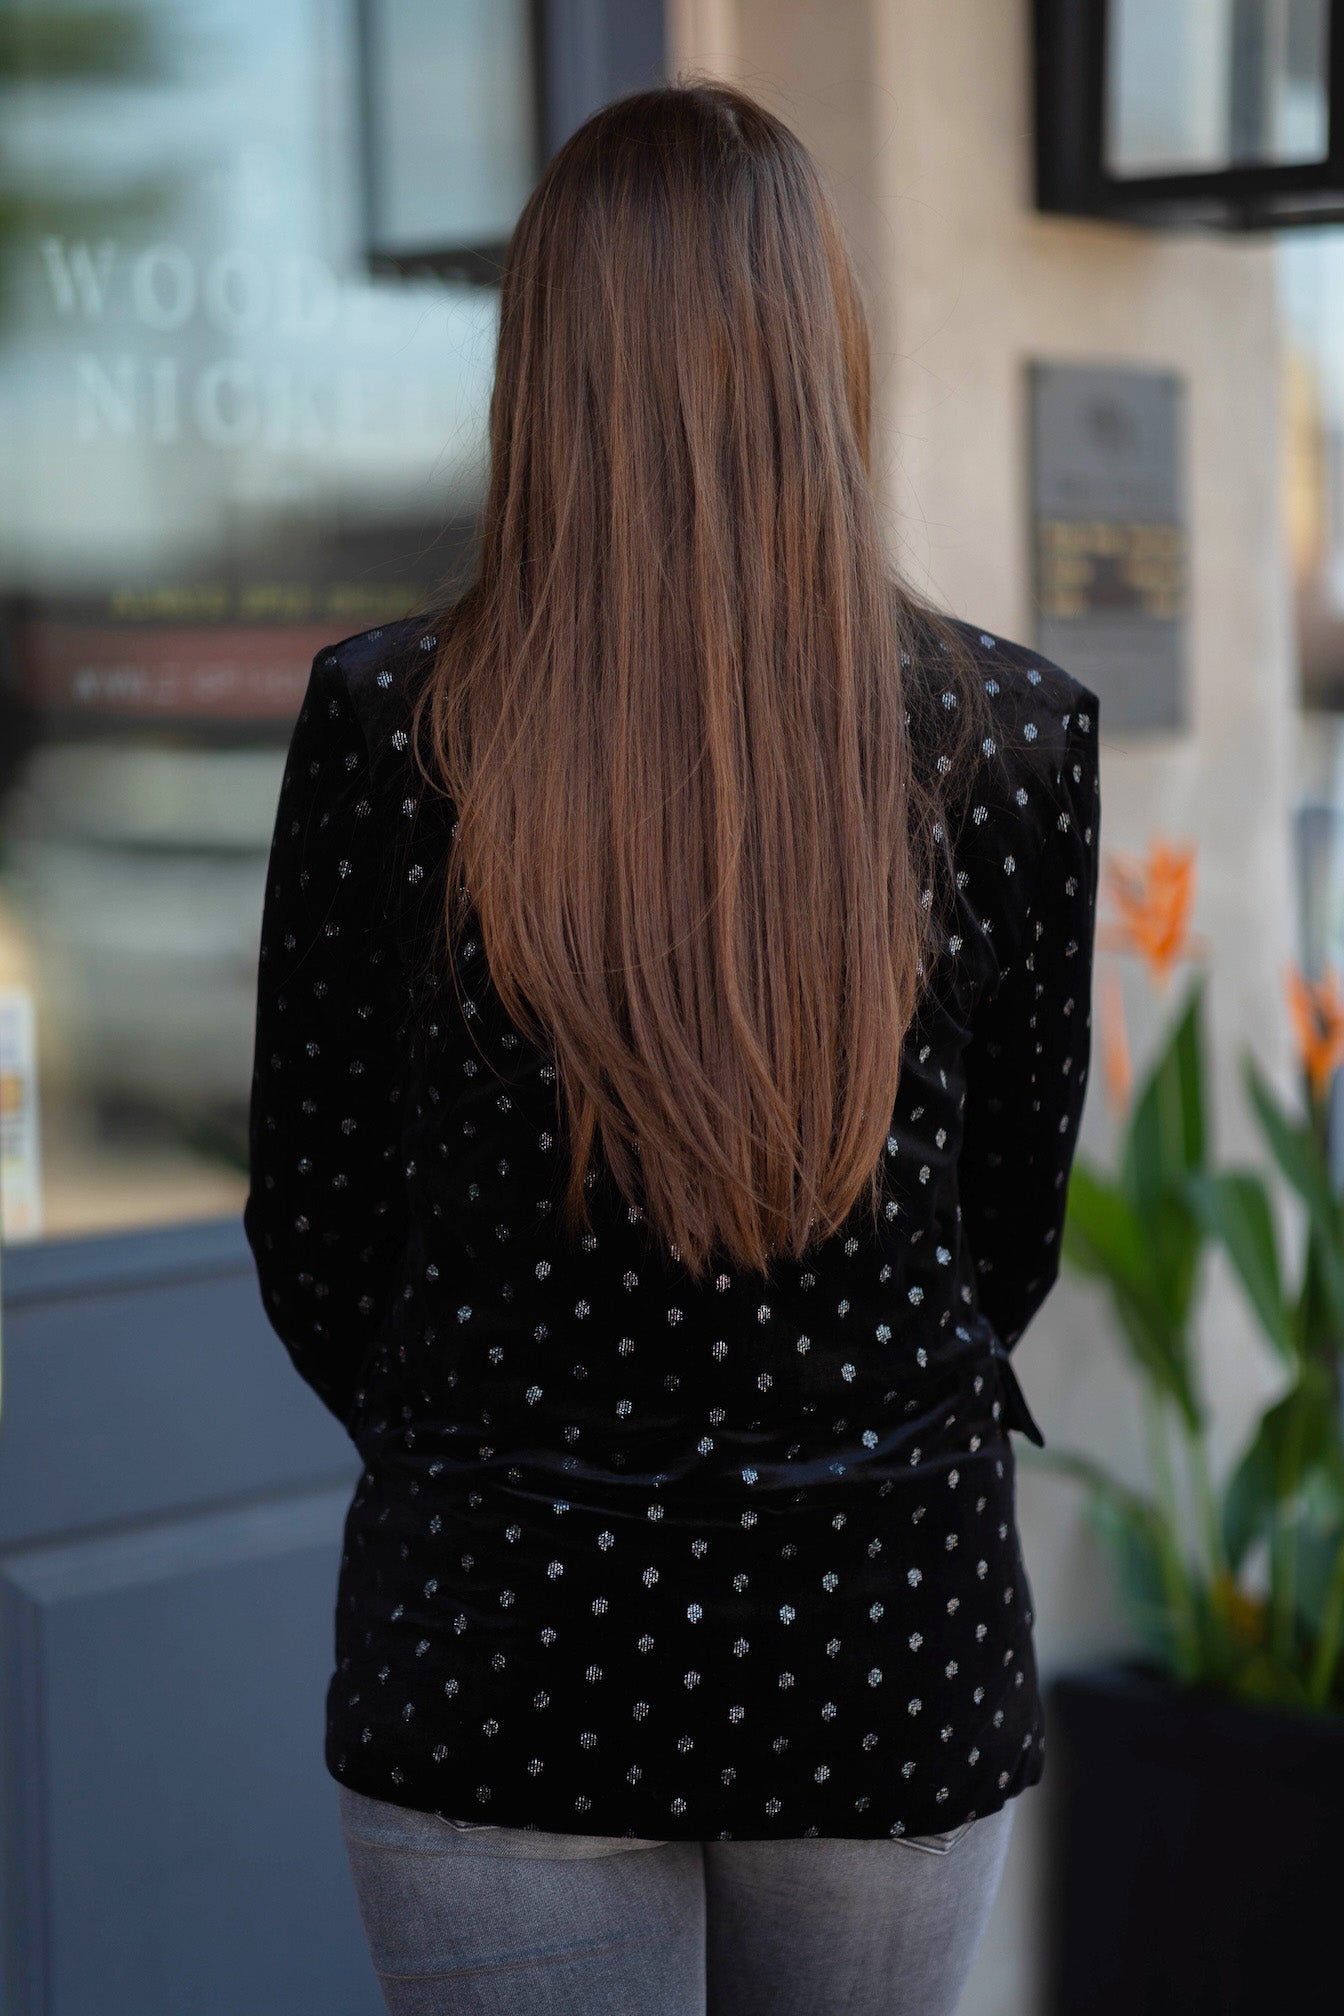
(920, 111)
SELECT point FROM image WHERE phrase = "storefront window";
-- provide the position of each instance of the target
(1212, 84)
(1311, 274)
(246, 334)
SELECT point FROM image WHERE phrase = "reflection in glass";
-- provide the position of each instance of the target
(1311, 294)
(1201, 85)
(450, 95)
(225, 444)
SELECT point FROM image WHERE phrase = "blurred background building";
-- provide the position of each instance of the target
(247, 305)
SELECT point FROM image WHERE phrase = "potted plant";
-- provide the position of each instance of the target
(1196, 1793)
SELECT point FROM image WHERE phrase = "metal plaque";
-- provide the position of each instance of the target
(1109, 537)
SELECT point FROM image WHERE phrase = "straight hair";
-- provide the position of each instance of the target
(699, 769)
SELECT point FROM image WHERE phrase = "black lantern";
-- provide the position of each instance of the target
(1222, 113)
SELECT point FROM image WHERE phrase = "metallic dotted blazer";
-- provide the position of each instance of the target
(628, 1557)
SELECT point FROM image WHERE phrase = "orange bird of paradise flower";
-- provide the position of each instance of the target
(1154, 897)
(1317, 1009)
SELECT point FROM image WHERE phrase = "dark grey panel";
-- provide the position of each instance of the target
(595, 50)
(54, 1269)
(171, 1500)
(143, 1396)
(171, 1835)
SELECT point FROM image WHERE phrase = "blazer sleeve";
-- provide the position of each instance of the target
(1027, 1061)
(325, 1215)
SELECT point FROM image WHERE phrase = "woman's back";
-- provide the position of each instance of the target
(632, 1555)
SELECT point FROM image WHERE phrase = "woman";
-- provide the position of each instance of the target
(671, 1043)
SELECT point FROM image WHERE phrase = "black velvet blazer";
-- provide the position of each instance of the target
(628, 1557)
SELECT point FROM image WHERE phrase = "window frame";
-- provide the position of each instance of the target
(1072, 179)
(584, 53)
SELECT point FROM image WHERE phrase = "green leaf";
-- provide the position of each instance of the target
(1318, 1314)
(1304, 1416)
(1323, 1490)
(1317, 1552)
(1140, 1234)
(1103, 1234)
(1136, 1556)
(1166, 1134)
(1130, 1527)
(1294, 1147)
(1235, 1209)
(1176, 1240)
(1148, 1267)
(1248, 1500)
(1160, 1350)
(1301, 1158)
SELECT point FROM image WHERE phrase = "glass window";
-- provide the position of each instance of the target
(451, 105)
(1311, 276)
(1311, 285)
(230, 434)
(1199, 85)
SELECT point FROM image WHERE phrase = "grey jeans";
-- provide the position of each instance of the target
(467, 1917)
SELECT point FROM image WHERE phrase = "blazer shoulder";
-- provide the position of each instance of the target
(381, 672)
(1040, 703)
(382, 669)
(1035, 775)
(1041, 752)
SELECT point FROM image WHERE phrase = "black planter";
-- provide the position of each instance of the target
(1196, 1851)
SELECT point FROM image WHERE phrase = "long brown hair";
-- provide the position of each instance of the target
(678, 708)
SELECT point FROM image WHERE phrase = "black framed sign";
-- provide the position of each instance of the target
(1109, 546)
(1223, 113)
